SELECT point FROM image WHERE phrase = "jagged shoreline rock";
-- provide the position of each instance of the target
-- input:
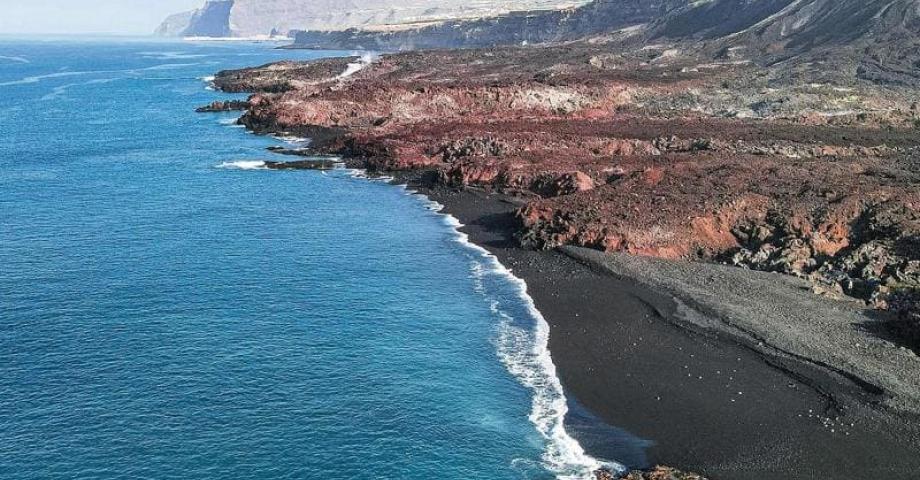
(224, 106)
(301, 165)
(659, 473)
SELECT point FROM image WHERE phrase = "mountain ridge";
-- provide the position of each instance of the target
(876, 40)
(248, 18)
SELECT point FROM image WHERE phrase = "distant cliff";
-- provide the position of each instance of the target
(245, 18)
(648, 20)
(599, 17)
(175, 25)
(211, 20)
(873, 39)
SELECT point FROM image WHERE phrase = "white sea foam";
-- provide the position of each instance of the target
(362, 174)
(38, 78)
(231, 122)
(68, 73)
(208, 82)
(293, 140)
(255, 38)
(61, 90)
(244, 165)
(57, 92)
(171, 55)
(169, 66)
(525, 353)
(14, 59)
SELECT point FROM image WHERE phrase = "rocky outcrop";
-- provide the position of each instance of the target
(224, 106)
(660, 473)
(657, 473)
(280, 77)
(864, 245)
(301, 165)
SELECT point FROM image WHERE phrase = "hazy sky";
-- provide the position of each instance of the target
(88, 16)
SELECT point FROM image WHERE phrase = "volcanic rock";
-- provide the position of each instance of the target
(301, 165)
(224, 106)
(647, 158)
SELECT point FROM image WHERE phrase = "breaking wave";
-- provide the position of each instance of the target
(294, 140)
(522, 344)
(231, 122)
(244, 165)
(208, 82)
(524, 350)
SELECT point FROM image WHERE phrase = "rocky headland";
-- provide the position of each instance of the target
(657, 152)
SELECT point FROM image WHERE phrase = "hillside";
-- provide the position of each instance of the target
(873, 39)
(246, 18)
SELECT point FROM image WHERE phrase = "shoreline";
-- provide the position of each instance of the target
(779, 423)
(535, 370)
(662, 363)
(772, 422)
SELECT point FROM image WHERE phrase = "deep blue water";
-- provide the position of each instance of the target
(164, 316)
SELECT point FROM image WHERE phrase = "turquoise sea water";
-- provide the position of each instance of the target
(168, 312)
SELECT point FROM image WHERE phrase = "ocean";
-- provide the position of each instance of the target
(169, 310)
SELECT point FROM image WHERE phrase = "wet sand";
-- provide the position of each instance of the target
(648, 388)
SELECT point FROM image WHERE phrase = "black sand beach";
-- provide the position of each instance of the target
(704, 400)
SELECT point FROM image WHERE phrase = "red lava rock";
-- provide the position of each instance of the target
(660, 473)
(614, 159)
(654, 175)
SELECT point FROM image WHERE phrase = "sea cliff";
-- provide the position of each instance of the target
(257, 18)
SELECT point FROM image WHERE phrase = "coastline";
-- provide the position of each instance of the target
(662, 399)
(656, 371)
(768, 421)
(524, 352)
